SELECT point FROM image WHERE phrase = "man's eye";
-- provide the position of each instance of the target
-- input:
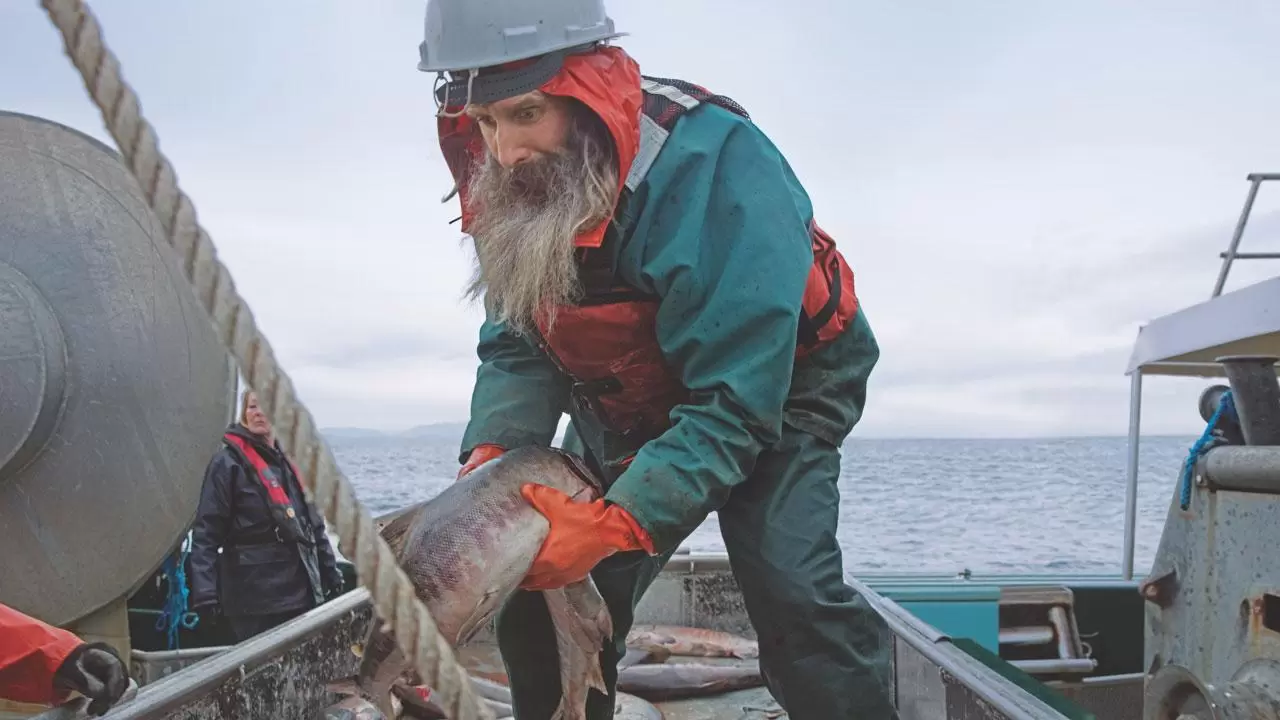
(527, 115)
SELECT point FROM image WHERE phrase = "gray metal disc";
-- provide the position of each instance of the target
(113, 388)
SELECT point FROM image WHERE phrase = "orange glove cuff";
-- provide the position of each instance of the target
(619, 529)
(580, 536)
(480, 455)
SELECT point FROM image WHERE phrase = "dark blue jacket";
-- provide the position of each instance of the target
(256, 573)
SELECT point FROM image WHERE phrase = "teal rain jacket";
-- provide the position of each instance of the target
(720, 233)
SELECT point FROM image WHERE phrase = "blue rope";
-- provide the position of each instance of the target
(174, 615)
(1206, 442)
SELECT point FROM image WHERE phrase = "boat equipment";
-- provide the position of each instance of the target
(391, 591)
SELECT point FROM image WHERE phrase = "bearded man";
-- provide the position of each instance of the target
(649, 264)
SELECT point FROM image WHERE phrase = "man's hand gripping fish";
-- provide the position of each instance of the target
(468, 549)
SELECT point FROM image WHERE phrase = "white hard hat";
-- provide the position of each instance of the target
(463, 36)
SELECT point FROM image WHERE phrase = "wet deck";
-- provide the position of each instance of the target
(483, 660)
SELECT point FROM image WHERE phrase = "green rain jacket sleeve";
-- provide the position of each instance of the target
(726, 248)
(519, 393)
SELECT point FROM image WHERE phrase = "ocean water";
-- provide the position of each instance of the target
(1002, 506)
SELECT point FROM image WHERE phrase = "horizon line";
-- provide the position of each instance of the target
(853, 436)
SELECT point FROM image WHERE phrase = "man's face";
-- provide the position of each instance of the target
(525, 128)
(549, 174)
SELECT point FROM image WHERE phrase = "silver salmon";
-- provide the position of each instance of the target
(695, 642)
(675, 681)
(630, 707)
(466, 551)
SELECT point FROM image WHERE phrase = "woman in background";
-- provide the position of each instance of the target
(276, 561)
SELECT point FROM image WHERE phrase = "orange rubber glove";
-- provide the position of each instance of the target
(582, 534)
(480, 455)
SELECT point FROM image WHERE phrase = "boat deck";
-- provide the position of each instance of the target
(483, 660)
(935, 676)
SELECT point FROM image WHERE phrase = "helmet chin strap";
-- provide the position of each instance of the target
(441, 105)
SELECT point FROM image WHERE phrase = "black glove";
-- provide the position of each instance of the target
(95, 671)
(333, 585)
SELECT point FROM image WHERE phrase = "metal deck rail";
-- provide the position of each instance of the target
(1232, 253)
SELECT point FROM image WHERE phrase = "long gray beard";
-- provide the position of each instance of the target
(526, 220)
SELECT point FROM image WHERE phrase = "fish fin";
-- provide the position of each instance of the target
(357, 649)
(583, 626)
(469, 627)
(595, 679)
(396, 527)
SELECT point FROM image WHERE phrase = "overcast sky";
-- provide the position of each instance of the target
(1018, 185)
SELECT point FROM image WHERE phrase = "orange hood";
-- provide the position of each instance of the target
(606, 80)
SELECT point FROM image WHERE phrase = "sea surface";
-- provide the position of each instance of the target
(988, 506)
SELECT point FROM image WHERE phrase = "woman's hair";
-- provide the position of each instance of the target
(244, 405)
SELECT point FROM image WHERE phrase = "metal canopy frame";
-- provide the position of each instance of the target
(1186, 343)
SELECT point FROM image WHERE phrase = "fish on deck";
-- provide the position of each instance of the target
(630, 707)
(694, 642)
(647, 655)
(675, 681)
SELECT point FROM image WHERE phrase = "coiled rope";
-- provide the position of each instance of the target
(1207, 441)
(174, 617)
(392, 593)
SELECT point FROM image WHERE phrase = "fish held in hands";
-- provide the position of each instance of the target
(467, 550)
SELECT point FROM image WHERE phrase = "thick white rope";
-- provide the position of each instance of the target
(392, 592)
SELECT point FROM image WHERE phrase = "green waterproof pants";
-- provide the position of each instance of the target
(823, 650)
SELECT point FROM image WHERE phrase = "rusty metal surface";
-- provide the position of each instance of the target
(1254, 692)
(1213, 582)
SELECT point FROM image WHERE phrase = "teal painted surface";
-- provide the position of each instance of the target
(959, 610)
(876, 580)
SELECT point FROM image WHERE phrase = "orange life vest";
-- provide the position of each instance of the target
(607, 343)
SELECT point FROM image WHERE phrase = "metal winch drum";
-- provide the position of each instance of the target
(113, 387)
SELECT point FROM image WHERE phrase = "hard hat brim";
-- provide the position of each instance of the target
(494, 84)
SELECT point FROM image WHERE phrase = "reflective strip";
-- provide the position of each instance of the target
(652, 135)
(675, 95)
